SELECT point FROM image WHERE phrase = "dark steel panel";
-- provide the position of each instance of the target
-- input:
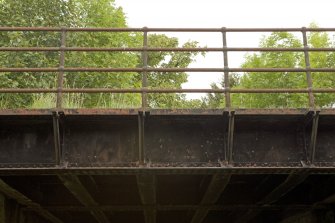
(175, 216)
(100, 141)
(268, 139)
(325, 141)
(26, 140)
(185, 139)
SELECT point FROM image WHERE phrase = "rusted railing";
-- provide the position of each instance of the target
(144, 70)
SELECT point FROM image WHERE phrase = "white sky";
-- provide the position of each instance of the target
(219, 13)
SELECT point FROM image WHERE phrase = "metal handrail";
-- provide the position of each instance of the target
(167, 49)
(165, 90)
(112, 69)
(145, 69)
(88, 29)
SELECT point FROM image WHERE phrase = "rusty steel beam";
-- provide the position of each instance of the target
(56, 134)
(230, 137)
(144, 74)
(312, 146)
(10, 192)
(311, 98)
(237, 207)
(216, 187)
(226, 67)
(161, 90)
(141, 136)
(74, 185)
(134, 112)
(56, 124)
(165, 49)
(149, 69)
(329, 200)
(147, 188)
(291, 182)
(86, 29)
(60, 76)
(245, 168)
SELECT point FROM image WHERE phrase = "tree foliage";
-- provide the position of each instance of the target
(83, 13)
(168, 79)
(291, 80)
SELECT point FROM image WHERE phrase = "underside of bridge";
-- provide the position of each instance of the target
(185, 166)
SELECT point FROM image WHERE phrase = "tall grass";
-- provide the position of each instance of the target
(77, 100)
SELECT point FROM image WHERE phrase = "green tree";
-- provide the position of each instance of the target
(322, 60)
(292, 80)
(83, 13)
(273, 79)
(30, 13)
(168, 79)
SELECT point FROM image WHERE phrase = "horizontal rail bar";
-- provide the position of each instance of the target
(157, 49)
(96, 69)
(161, 90)
(88, 29)
(179, 207)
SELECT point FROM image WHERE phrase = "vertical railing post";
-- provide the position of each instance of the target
(231, 114)
(141, 115)
(145, 66)
(311, 99)
(60, 78)
(226, 72)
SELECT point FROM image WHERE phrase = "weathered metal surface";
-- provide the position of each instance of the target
(172, 138)
(108, 141)
(163, 90)
(325, 140)
(249, 168)
(165, 49)
(268, 139)
(125, 69)
(88, 29)
(26, 140)
(125, 208)
(185, 139)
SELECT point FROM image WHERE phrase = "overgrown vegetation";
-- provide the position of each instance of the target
(292, 80)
